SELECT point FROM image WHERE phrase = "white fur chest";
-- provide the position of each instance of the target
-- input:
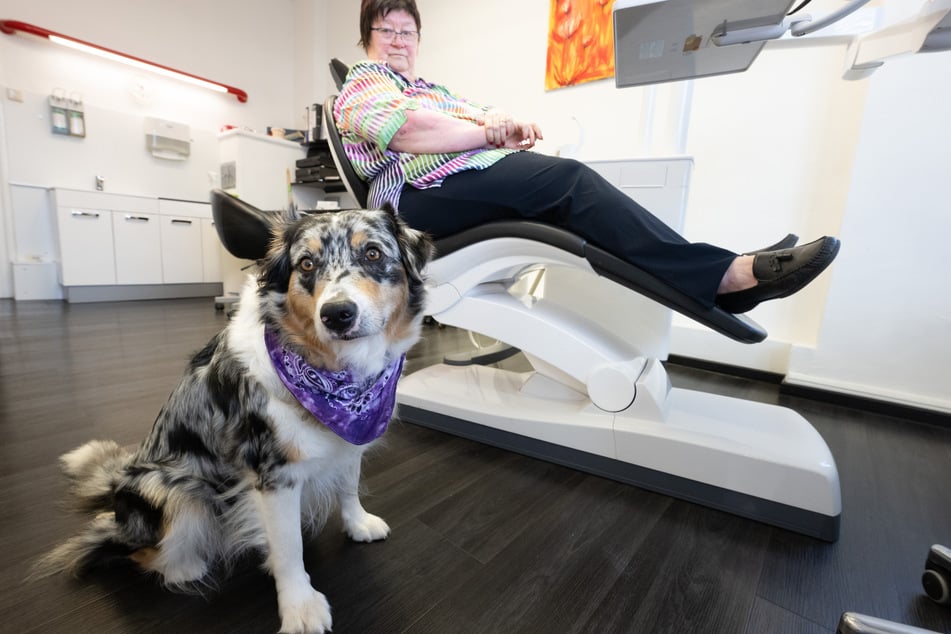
(304, 438)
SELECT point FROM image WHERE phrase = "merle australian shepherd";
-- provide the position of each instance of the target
(263, 436)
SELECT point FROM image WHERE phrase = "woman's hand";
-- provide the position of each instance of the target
(503, 130)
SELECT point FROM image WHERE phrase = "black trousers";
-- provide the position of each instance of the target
(567, 193)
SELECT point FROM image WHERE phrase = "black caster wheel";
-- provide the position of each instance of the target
(936, 579)
(219, 307)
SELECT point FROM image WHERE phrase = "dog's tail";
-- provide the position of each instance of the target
(101, 542)
(94, 469)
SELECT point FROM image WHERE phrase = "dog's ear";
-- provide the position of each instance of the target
(275, 267)
(416, 247)
(416, 250)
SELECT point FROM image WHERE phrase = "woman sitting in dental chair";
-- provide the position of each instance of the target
(448, 164)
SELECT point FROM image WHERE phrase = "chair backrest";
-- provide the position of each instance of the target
(356, 186)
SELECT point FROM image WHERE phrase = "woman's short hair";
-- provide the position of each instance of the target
(370, 10)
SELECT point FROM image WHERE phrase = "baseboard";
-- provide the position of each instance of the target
(770, 356)
(864, 403)
(852, 401)
(763, 376)
(85, 294)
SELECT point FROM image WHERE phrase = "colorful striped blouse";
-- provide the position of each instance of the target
(371, 108)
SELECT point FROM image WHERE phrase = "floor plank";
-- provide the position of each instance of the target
(554, 575)
(767, 617)
(696, 572)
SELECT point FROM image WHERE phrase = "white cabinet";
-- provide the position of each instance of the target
(90, 227)
(131, 241)
(138, 255)
(182, 243)
(85, 246)
(181, 251)
(210, 251)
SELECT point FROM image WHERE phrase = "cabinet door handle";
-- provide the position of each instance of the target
(85, 214)
(138, 218)
(176, 221)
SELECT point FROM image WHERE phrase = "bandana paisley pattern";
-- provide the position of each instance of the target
(358, 413)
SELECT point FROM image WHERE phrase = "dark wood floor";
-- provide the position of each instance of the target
(483, 540)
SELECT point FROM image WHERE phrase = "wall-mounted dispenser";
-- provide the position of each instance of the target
(66, 114)
(167, 139)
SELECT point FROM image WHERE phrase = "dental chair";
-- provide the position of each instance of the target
(594, 400)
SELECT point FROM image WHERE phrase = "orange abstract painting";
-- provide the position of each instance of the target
(580, 42)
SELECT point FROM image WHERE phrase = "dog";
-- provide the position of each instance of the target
(263, 437)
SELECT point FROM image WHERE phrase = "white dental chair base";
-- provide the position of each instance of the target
(595, 401)
(758, 461)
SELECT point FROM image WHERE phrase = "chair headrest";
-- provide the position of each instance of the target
(338, 70)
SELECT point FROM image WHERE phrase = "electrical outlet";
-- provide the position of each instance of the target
(15, 94)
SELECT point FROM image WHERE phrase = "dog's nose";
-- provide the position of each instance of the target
(338, 316)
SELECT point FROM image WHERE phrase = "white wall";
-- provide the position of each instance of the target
(311, 45)
(790, 146)
(7, 244)
(886, 332)
(343, 32)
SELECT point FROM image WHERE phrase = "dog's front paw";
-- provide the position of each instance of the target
(306, 611)
(367, 528)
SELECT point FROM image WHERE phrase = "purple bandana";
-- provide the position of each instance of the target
(357, 413)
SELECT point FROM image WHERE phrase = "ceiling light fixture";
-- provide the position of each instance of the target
(10, 27)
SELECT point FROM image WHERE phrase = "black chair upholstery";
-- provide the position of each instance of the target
(356, 186)
(338, 71)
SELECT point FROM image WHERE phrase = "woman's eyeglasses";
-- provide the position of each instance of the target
(389, 34)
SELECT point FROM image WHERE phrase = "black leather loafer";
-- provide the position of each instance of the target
(786, 243)
(781, 273)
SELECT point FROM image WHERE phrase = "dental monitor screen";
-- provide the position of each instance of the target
(669, 40)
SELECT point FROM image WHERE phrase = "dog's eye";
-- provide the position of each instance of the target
(373, 254)
(306, 265)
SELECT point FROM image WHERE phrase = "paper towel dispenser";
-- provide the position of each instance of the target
(167, 139)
